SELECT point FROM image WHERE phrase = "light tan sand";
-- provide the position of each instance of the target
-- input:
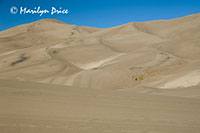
(32, 107)
(141, 77)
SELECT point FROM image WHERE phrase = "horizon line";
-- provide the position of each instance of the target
(151, 20)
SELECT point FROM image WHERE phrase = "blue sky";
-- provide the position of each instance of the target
(98, 13)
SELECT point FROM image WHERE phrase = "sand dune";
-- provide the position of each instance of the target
(55, 50)
(138, 77)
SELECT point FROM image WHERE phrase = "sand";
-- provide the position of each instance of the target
(32, 107)
(140, 77)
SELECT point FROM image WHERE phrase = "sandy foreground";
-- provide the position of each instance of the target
(33, 107)
(141, 77)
